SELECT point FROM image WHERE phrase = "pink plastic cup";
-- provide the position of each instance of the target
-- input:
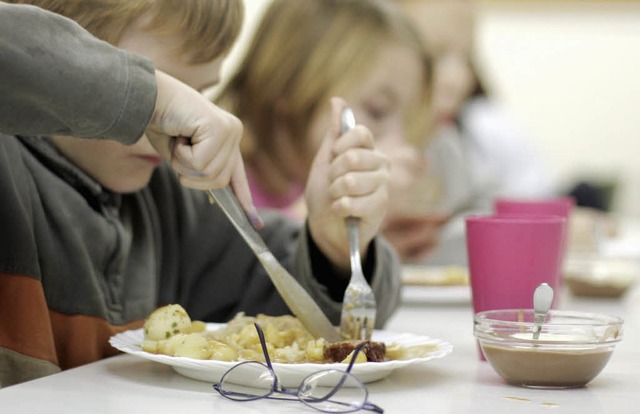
(555, 206)
(558, 206)
(509, 256)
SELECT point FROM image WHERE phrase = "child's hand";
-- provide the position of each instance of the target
(406, 165)
(414, 236)
(201, 140)
(349, 177)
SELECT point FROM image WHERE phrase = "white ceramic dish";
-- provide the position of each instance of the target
(435, 285)
(436, 276)
(290, 375)
(436, 295)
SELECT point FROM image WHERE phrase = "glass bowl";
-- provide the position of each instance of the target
(604, 276)
(572, 349)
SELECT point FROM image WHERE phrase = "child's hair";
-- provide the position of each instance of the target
(303, 52)
(208, 27)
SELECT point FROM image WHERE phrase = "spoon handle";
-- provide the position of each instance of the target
(542, 298)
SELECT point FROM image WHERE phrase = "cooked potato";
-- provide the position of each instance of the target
(196, 326)
(222, 351)
(168, 346)
(315, 350)
(150, 346)
(165, 322)
(192, 345)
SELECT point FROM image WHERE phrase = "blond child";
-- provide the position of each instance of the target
(304, 52)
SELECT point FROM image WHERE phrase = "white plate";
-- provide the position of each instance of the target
(437, 276)
(436, 295)
(428, 285)
(290, 375)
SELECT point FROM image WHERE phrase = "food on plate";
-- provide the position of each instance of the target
(170, 331)
(435, 276)
(342, 351)
(287, 340)
(165, 322)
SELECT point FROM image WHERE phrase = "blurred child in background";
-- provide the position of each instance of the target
(477, 152)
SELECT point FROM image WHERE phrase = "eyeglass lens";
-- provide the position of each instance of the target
(332, 391)
(247, 381)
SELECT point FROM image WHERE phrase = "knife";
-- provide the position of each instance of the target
(299, 301)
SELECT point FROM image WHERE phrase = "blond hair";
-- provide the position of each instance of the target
(207, 28)
(303, 52)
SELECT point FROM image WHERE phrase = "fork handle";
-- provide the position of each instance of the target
(347, 122)
(353, 224)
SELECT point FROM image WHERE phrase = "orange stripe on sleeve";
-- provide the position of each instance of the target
(28, 327)
(24, 318)
(81, 339)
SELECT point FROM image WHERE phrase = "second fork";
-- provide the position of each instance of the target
(359, 304)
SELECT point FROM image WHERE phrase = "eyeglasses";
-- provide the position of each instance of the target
(328, 390)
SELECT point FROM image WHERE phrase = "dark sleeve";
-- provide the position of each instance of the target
(326, 274)
(56, 78)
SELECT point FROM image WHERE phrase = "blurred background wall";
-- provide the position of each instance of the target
(569, 73)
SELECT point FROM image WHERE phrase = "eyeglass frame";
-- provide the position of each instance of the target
(277, 388)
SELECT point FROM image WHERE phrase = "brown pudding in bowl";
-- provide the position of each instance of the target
(603, 276)
(572, 349)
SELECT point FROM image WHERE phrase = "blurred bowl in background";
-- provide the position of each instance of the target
(595, 275)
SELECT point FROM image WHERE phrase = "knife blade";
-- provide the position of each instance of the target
(295, 296)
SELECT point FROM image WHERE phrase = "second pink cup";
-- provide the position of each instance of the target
(558, 206)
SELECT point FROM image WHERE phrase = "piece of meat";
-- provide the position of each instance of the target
(338, 351)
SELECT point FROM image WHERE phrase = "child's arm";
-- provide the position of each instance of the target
(57, 79)
(349, 177)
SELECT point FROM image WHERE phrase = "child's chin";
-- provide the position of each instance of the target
(130, 186)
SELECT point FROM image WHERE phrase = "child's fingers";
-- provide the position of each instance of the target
(357, 159)
(241, 188)
(338, 105)
(206, 164)
(357, 184)
(218, 175)
(363, 206)
(324, 154)
(358, 137)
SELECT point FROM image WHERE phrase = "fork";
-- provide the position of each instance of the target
(358, 315)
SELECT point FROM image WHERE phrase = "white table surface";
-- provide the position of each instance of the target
(458, 383)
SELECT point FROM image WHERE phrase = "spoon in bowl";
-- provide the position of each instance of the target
(542, 298)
